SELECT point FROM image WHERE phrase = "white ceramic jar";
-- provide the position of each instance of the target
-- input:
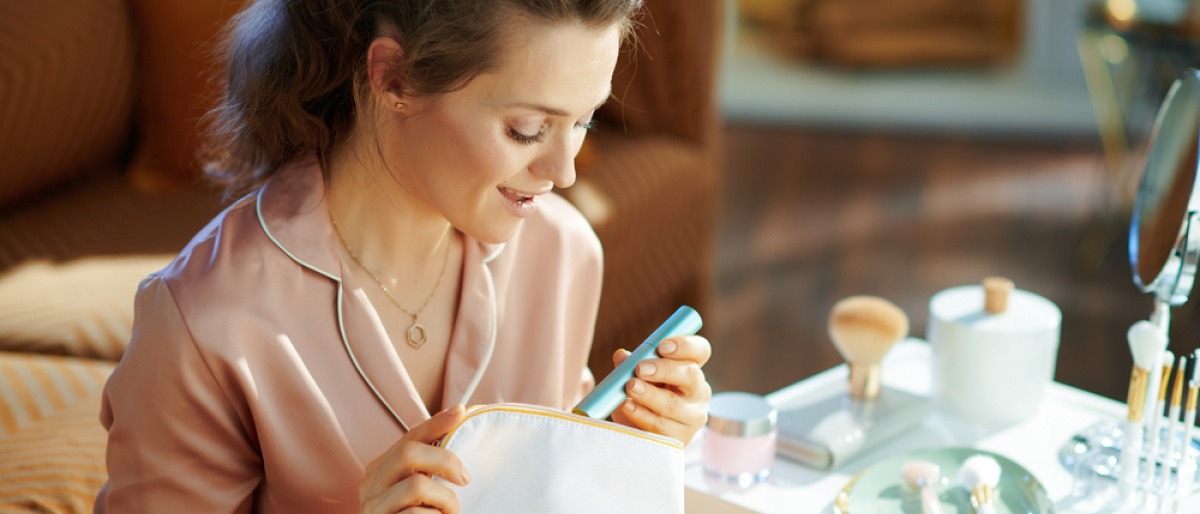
(992, 365)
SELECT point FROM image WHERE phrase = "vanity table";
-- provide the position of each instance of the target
(1033, 443)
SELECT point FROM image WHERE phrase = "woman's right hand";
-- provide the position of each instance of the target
(401, 480)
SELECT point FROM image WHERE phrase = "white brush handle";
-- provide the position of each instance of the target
(986, 508)
(929, 501)
(1187, 463)
(1175, 427)
(1131, 447)
(1153, 438)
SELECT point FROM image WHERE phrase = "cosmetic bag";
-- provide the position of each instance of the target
(532, 459)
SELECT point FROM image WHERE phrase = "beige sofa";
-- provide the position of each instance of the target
(98, 107)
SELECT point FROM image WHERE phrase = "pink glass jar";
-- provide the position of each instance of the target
(739, 439)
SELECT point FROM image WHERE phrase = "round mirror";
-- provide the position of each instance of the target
(1163, 246)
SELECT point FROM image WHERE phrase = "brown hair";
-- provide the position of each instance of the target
(294, 68)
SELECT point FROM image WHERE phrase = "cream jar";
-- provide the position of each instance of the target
(739, 438)
(995, 348)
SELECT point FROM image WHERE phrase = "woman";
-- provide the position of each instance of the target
(399, 253)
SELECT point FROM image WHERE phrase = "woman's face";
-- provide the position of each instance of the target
(483, 155)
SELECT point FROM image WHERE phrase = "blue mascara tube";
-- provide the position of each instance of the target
(610, 392)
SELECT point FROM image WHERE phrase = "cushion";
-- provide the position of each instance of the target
(178, 68)
(66, 90)
(51, 442)
(71, 262)
(82, 307)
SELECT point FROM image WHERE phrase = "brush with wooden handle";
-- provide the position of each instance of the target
(863, 329)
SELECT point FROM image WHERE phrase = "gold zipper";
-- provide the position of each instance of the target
(566, 416)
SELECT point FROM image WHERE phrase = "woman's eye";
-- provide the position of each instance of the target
(589, 125)
(526, 139)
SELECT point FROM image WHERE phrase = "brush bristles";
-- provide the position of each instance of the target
(979, 469)
(864, 328)
(919, 473)
(1195, 381)
(1146, 340)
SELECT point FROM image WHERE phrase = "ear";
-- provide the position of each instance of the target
(382, 56)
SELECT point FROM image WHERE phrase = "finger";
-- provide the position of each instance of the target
(684, 375)
(414, 453)
(666, 403)
(619, 356)
(414, 493)
(412, 460)
(650, 421)
(437, 426)
(690, 348)
(420, 510)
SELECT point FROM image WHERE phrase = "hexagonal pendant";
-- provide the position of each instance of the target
(416, 335)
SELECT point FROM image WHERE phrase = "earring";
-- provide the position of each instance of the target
(398, 106)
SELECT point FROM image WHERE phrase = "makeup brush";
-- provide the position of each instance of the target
(1154, 416)
(922, 476)
(1146, 342)
(980, 475)
(1186, 471)
(1174, 426)
(863, 329)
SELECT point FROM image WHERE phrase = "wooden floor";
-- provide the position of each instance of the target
(810, 217)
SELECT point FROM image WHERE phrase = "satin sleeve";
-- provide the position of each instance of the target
(176, 442)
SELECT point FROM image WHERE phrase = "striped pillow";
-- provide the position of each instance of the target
(51, 442)
(82, 308)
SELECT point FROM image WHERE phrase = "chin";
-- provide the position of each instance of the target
(496, 234)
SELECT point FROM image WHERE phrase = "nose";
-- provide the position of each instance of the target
(557, 163)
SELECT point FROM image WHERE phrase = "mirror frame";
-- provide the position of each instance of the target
(1175, 280)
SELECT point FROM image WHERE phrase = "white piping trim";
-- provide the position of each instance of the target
(487, 274)
(357, 366)
(341, 326)
(262, 222)
(487, 356)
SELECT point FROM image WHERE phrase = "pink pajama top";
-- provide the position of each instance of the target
(260, 379)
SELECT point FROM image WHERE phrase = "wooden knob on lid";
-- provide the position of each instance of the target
(995, 294)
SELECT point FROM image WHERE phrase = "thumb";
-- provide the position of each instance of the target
(438, 426)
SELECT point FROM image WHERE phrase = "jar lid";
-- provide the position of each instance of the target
(740, 414)
(965, 305)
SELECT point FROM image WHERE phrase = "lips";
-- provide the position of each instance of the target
(516, 196)
(520, 204)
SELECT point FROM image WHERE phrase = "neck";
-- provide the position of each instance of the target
(391, 230)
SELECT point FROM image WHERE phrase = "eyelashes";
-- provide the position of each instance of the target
(526, 139)
(529, 139)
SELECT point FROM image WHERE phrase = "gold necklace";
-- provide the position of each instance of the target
(416, 333)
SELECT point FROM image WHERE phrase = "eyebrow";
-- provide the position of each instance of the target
(557, 112)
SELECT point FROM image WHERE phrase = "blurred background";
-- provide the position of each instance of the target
(900, 147)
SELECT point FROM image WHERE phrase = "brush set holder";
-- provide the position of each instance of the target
(1094, 458)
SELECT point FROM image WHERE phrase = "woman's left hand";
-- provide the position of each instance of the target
(668, 395)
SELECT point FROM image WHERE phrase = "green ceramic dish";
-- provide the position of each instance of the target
(880, 489)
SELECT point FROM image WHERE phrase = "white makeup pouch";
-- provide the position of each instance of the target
(531, 459)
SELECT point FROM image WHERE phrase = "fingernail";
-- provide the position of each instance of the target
(455, 409)
(466, 477)
(646, 369)
(639, 387)
(628, 406)
(667, 348)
